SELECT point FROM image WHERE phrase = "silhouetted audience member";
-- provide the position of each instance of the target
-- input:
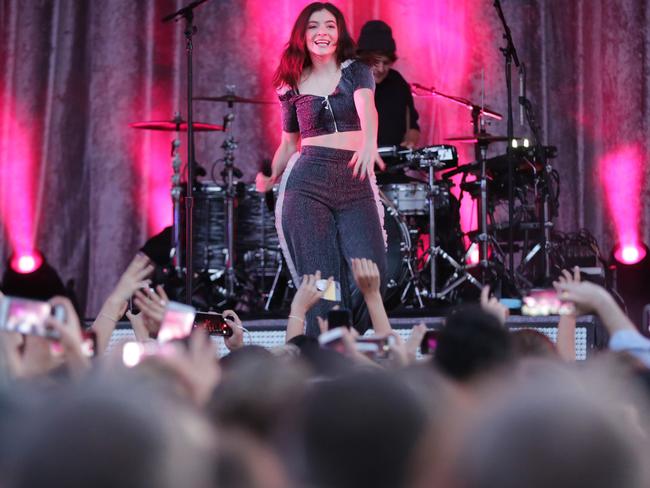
(542, 436)
(472, 343)
(110, 435)
(361, 430)
(532, 343)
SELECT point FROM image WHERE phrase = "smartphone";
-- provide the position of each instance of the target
(25, 316)
(177, 322)
(332, 339)
(332, 292)
(376, 347)
(339, 318)
(429, 342)
(213, 323)
(545, 302)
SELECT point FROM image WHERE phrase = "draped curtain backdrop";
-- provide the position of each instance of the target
(77, 183)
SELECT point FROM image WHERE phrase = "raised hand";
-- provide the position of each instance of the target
(152, 304)
(236, 340)
(366, 275)
(70, 335)
(493, 306)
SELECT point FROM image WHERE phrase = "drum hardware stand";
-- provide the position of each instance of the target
(460, 274)
(176, 199)
(510, 55)
(190, 29)
(229, 173)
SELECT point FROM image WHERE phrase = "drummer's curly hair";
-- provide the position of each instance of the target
(295, 57)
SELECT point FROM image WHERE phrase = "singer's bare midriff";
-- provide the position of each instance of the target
(351, 140)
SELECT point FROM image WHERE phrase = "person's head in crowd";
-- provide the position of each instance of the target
(108, 435)
(244, 356)
(245, 461)
(259, 397)
(472, 343)
(445, 411)
(376, 47)
(532, 343)
(547, 435)
(361, 430)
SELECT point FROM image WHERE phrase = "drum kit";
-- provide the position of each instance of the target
(236, 252)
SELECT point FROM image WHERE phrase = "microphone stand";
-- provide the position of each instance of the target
(510, 54)
(190, 29)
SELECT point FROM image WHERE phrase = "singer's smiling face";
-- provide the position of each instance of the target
(322, 33)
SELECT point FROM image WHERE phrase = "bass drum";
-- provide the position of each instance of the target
(398, 254)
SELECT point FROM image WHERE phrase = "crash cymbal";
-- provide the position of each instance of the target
(175, 125)
(481, 138)
(234, 99)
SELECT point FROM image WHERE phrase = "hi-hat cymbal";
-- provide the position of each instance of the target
(234, 99)
(175, 125)
(480, 138)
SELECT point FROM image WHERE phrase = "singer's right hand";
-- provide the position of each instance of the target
(264, 183)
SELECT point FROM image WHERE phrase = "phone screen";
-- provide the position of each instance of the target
(25, 316)
(213, 323)
(429, 342)
(332, 292)
(177, 322)
(545, 302)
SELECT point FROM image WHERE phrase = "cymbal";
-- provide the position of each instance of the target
(234, 99)
(175, 125)
(481, 138)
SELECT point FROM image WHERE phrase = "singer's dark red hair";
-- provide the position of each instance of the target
(295, 57)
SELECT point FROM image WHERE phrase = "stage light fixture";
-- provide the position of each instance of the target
(29, 275)
(630, 253)
(631, 263)
(26, 262)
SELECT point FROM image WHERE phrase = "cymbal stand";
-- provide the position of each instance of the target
(460, 274)
(229, 173)
(187, 13)
(176, 202)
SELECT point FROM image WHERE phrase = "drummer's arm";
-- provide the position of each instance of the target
(412, 135)
(288, 146)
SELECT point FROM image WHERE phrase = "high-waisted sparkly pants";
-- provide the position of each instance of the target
(324, 218)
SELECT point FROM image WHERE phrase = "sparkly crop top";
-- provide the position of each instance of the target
(314, 115)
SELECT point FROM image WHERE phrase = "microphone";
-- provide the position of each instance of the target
(267, 170)
(265, 167)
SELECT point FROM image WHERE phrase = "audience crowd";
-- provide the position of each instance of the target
(486, 408)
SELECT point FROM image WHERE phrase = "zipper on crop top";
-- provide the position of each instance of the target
(329, 107)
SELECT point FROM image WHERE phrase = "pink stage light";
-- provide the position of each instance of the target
(622, 178)
(472, 256)
(18, 158)
(630, 254)
(26, 263)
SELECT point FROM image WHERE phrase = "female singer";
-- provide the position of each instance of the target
(328, 210)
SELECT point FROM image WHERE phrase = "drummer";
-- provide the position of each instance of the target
(398, 119)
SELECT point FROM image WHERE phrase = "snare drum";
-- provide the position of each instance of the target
(408, 198)
(411, 198)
